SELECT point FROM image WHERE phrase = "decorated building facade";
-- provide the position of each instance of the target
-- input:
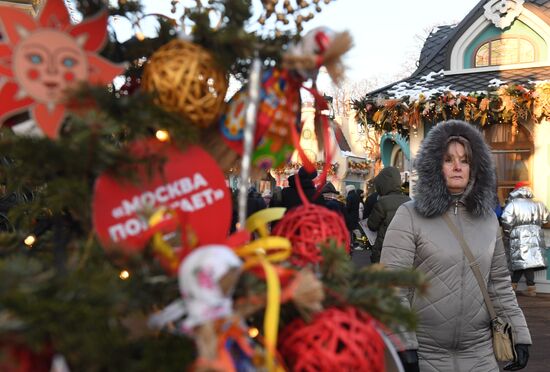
(350, 162)
(493, 70)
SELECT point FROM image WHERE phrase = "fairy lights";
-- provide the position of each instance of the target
(124, 274)
(162, 135)
(30, 240)
(253, 332)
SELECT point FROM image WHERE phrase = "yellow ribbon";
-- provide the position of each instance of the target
(159, 244)
(264, 251)
(258, 221)
(274, 248)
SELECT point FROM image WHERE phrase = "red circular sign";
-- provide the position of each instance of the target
(188, 182)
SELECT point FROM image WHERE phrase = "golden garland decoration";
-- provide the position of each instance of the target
(185, 79)
(513, 104)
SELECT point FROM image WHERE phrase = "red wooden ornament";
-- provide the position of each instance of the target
(18, 357)
(306, 227)
(42, 57)
(336, 340)
(188, 183)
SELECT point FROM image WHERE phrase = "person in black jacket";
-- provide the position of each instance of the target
(352, 208)
(255, 202)
(369, 204)
(276, 198)
(370, 200)
(290, 197)
(388, 186)
(332, 201)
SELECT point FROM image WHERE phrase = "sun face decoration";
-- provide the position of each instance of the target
(41, 58)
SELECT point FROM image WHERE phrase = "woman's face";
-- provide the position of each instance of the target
(456, 168)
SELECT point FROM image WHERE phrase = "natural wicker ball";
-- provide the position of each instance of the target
(306, 227)
(336, 340)
(186, 80)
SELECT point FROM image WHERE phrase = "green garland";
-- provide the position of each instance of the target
(513, 104)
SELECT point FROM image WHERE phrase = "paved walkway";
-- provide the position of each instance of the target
(537, 314)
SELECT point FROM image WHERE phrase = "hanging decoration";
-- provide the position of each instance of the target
(42, 58)
(337, 339)
(512, 105)
(309, 225)
(188, 183)
(167, 244)
(248, 136)
(185, 78)
(18, 357)
(207, 278)
(319, 47)
(278, 118)
(279, 114)
(279, 107)
(262, 253)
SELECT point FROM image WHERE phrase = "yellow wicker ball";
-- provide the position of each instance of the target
(185, 79)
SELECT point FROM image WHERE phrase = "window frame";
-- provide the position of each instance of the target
(527, 146)
(501, 37)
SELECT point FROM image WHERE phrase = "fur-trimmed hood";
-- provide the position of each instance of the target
(431, 196)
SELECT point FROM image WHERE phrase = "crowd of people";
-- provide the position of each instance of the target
(352, 205)
(455, 192)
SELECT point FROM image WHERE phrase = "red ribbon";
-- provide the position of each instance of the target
(320, 105)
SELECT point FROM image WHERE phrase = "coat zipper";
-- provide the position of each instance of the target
(458, 332)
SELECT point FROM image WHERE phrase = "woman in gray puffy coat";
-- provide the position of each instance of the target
(455, 178)
(521, 220)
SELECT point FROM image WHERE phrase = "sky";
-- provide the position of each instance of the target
(385, 32)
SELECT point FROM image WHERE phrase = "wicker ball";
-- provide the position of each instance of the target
(308, 225)
(336, 340)
(186, 80)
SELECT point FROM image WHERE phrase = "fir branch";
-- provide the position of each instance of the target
(370, 288)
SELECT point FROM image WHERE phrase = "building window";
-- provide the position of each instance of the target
(512, 151)
(506, 51)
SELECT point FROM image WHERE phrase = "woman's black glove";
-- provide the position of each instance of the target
(522, 351)
(409, 359)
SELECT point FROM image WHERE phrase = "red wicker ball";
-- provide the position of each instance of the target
(308, 225)
(336, 340)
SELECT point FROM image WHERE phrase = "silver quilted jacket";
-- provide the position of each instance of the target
(521, 222)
